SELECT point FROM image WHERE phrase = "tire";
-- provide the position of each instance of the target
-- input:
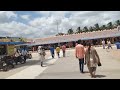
(12, 66)
(5, 68)
(30, 56)
(22, 61)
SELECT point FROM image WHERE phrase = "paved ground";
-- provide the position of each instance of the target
(19, 68)
(66, 68)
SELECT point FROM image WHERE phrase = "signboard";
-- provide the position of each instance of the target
(4, 40)
(10, 49)
(13, 40)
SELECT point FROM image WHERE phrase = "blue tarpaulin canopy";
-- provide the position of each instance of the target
(10, 43)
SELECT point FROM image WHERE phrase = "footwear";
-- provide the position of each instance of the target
(41, 64)
(82, 72)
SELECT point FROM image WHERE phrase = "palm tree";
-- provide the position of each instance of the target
(103, 27)
(79, 30)
(117, 22)
(97, 27)
(85, 29)
(91, 29)
(110, 25)
(70, 31)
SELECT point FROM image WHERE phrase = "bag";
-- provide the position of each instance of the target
(99, 64)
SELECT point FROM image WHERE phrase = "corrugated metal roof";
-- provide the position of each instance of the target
(82, 36)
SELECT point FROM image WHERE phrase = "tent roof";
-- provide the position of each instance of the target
(10, 43)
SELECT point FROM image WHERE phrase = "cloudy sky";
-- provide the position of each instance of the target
(38, 24)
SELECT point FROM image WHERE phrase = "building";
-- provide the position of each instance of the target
(95, 37)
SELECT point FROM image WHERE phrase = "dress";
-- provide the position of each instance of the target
(92, 63)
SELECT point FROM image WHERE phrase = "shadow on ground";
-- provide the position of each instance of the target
(100, 76)
(33, 62)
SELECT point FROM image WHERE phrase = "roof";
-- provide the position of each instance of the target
(10, 43)
(81, 36)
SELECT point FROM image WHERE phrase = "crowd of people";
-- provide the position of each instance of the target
(108, 44)
(87, 55)
(41, 51)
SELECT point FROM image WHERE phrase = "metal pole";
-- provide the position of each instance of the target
(57, 27)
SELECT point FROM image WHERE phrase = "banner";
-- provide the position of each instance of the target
(4, 40)
(10, 49)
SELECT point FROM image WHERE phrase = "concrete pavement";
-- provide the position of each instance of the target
(68, 67)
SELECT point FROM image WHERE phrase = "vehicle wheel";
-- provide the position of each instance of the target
(12, 66)
(30, 56)
(22, 61)
(5, 68)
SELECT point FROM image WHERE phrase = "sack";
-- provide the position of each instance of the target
(99, 64)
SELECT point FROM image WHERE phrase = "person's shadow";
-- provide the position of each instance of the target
(96, 76)
(100, 76)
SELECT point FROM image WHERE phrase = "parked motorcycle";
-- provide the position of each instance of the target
(6, 63)
(19, 59)
(9, 61)
(3, 65)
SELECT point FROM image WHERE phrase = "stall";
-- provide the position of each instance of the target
(7, 48)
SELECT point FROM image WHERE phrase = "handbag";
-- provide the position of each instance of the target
(99, 64)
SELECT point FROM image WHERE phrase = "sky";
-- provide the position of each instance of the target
(40, 24)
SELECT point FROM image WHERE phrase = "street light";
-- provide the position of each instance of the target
(57, 27)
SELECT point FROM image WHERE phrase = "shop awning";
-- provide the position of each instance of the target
(11, 43)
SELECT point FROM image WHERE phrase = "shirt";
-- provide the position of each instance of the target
(103, 42)
(79, 51)
(24, 52)
(118, 28)
(63, 47)
(57, 49)
(51, 49)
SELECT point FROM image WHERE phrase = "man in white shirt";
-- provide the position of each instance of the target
(42, 54)
(24, 53)
(103, 43)
(118, 28)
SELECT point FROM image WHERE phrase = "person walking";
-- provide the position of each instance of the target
(79, 53)
(42, 54)
(103, 44)
(109, 44)
(118, 27)
(58, 51)
(92, 60)
(52, 51)
(64, 50)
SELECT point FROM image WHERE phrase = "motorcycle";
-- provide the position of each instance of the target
(19, 59)
(3, 65)
(9, 61)
(6, 63)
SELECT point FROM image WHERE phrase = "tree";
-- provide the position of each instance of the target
(103, 27)
(79, 30)
(109, 25)
(117, 22)
(91, 29)
(60, 34)
(97, 27)
(70, 31)
(85, 29)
